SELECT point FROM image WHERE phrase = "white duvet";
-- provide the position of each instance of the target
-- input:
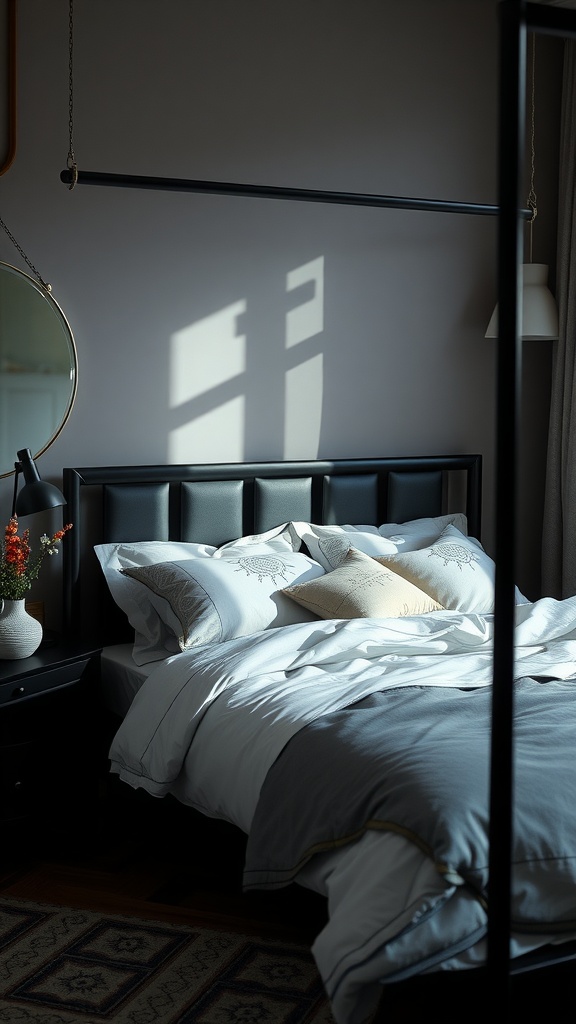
(207, 725)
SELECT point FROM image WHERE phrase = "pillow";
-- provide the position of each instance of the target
(361, 588)
(152, 640)
(418, 533)
(281, 538)
(328, 544)
(455, 570)
(207, 600)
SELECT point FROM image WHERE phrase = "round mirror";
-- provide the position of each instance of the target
(38, 367)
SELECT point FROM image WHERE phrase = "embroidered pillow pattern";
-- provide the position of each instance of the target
(210, 600)
(454, 570)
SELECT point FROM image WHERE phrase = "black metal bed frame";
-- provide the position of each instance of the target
(516, 18)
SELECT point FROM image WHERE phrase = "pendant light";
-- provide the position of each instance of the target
(539, 311)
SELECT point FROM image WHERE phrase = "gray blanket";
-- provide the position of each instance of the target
(416, 761)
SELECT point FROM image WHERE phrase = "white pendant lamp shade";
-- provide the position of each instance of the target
(539, 311)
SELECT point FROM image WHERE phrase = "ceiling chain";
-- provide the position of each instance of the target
(47, 287)
(71, 161)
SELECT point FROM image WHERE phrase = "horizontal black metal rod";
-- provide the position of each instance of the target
(224, 188)
(550, 21)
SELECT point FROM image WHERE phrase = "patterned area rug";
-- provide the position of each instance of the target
(64, 966)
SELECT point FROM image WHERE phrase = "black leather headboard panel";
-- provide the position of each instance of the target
(213, 504)
(413, 495)
(137, 512)
(279, 501)
(212, 508)
(353, 499)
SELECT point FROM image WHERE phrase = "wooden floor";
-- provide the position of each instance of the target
(154, 859)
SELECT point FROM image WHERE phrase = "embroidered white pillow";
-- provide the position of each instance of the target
(455, 570)
(210, 600)
(361, 588)
(152, 640)
(328, 545)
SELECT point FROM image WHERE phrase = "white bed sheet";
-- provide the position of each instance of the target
(207, 725)
(121, 677)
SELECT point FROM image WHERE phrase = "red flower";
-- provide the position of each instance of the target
(17, 570)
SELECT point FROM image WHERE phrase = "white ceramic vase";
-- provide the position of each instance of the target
(20, 634)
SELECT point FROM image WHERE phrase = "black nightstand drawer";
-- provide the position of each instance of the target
(51, 679)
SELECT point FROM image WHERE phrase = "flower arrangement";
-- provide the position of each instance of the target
(17, 567)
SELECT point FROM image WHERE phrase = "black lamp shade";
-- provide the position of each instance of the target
(36, 495)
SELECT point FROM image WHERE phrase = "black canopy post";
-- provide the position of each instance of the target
(509, 356)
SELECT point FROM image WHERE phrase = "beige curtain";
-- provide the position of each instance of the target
(559, 533)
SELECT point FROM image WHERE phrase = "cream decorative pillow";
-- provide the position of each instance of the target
(361, 588)
(208, 600)
(455, 570)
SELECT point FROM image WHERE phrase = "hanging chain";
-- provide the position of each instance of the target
(47, 287)
(71, 161)
(532, 202)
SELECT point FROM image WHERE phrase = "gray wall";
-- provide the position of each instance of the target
(213, 328)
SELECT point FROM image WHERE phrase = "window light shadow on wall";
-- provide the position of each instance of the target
(207, 387)
(303, 382)
(210, 387)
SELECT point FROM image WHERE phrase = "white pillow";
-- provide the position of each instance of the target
(210, 600)
(328, 545)
(418, 533)
(455, 570)
(152, 640)
(361, 588)
(280, 538)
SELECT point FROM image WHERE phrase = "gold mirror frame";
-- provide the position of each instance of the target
(38, 367)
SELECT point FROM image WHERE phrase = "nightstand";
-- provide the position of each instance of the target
(48, 761)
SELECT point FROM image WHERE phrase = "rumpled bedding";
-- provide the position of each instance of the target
(208, 725)
(354, 770)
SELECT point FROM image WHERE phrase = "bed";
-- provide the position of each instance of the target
(305, 650)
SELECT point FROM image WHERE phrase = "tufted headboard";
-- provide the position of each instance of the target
(213, 504)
